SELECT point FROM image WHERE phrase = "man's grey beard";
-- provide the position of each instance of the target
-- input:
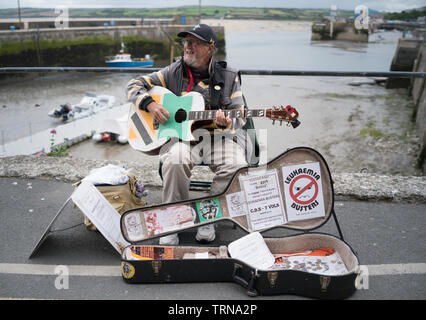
(195, 63)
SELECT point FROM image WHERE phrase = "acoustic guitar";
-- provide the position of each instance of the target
(187, 113)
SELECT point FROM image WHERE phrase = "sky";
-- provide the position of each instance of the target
(380, 5)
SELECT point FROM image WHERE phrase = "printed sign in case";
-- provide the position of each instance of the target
(303, 191)
(264, 202)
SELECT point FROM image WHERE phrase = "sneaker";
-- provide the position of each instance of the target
(206, 233)
(170, 240)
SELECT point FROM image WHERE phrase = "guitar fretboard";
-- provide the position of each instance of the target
(233, 114)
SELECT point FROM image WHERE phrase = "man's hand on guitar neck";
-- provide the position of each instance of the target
(159, 113)
(221, 120)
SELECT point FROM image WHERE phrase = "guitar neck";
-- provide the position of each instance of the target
(233, 114)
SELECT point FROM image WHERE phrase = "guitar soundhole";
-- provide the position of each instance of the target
(180, 116)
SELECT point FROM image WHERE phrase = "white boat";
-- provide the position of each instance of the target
(90, 104)
(113, 129)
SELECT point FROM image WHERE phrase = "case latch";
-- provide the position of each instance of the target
(324, 281)
(156, 266)
(249, 285)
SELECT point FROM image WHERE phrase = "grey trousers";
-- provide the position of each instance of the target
(223, 156)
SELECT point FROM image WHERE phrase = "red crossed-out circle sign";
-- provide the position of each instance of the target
(311, 182)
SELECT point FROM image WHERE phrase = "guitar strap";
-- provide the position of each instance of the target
(217, 102)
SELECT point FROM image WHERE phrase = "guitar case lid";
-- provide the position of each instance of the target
(293, 190)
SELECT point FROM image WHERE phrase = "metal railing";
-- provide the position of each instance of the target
(389, 74)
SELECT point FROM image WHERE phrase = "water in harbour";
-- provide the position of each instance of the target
(287, 45)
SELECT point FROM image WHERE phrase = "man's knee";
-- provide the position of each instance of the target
(176, 154)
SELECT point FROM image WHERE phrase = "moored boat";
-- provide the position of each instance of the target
(90, 104)
(124, 60)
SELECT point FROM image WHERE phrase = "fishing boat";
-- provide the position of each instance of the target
(124, 60)
(89, 104)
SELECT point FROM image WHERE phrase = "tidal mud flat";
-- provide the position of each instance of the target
(357, 128)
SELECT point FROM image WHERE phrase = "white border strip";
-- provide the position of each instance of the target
(396, 269)
(49, 270)
(115, 271)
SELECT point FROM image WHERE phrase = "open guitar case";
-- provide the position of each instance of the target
(223, 268)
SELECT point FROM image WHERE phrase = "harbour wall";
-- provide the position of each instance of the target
(89, 46)
(50, 22)
(338, 30)
(418, 94)
(405, 55)
(410, 55)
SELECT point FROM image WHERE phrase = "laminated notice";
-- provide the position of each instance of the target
(264, 201)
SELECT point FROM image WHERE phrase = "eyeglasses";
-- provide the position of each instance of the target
(193, 42)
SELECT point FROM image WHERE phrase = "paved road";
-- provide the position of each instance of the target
(388, 237)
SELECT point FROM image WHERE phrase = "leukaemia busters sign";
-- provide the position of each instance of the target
(303, 191)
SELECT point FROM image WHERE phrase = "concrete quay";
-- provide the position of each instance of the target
(368, 186)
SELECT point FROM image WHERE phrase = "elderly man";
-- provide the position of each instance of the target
(219, 85)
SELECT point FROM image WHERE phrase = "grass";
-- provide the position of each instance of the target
(377, 134)
(355, 116)
(371, 131)
(206, 12)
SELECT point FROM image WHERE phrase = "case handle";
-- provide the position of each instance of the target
(236, 276)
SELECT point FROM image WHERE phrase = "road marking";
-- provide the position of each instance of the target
(395, 269)
(48, 269)
(115, 271)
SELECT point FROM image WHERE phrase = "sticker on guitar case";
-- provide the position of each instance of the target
(169, 219)
(236, 203)
(303, 191)
(208, 209)
(127, 270)
(134, 226)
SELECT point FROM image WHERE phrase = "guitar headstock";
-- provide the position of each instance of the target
(288, 114)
